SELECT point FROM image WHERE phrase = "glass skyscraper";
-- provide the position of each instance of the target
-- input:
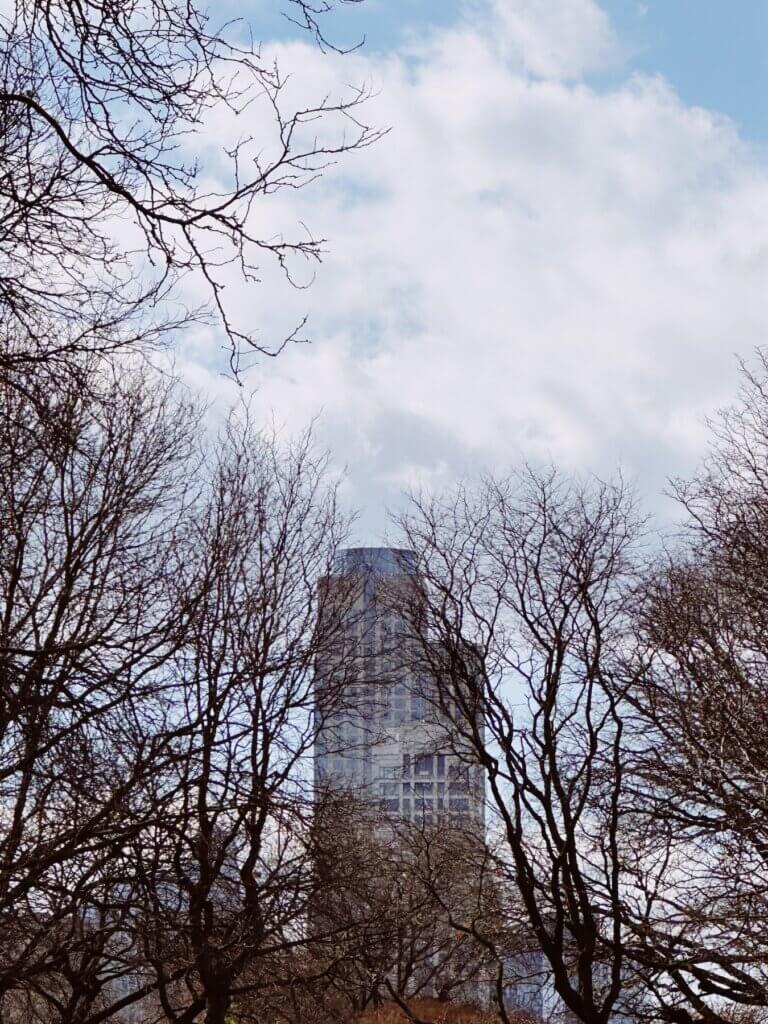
(384, 738)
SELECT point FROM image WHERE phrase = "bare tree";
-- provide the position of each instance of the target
(106, 198)
(388, 889)
(92, 498)
(160, 608)
(227, 875)
(700, 692)
(521, 610)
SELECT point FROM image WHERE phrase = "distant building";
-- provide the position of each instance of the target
(386, 741)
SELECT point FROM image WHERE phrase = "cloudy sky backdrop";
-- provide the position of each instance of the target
(555, 254)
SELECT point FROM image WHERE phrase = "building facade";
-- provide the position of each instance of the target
(384, 740)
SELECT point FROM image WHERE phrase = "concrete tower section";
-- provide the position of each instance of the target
(386, 742)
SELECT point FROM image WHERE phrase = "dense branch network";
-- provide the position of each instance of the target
(111, 188)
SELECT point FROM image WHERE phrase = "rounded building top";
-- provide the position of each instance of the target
(375, 561)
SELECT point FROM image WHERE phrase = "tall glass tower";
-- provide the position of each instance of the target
(386, 741)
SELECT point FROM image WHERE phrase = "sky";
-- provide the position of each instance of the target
(556, 254)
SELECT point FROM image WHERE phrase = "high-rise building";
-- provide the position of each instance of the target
(386, 741)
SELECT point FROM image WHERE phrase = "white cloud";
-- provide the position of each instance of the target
(562, 39)
(525, 266)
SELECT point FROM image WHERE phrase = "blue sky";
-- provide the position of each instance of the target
(714, 53)
(555, 255)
